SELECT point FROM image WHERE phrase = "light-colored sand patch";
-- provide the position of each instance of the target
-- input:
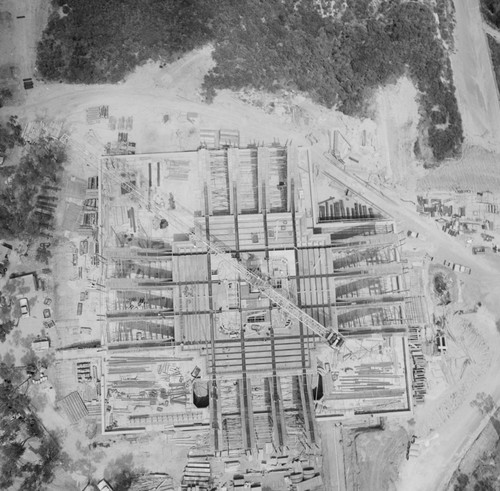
(398, 118)
(477, 92)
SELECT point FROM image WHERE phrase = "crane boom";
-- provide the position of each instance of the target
(219, 249)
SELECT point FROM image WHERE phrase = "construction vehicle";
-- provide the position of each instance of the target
(255, 279)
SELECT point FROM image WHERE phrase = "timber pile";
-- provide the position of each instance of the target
(197, 475)
(419, 384)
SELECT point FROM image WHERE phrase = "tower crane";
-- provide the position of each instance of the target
(257, 280)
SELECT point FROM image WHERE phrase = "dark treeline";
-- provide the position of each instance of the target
(19, 426)
(495, 56)
(41, 164)
(268, 45)
(491, 11)
(274, 45)
(101, 41)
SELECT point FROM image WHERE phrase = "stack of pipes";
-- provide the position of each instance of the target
(248, 188)
(373, 376)
(419, 363)
(228, 397)
(277, 179)
(287, 392)
(232, 436)
(197, 475)
(260, 395)
(196, 438)
(219, 179)
(263, 429)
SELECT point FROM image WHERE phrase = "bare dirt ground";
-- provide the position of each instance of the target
(333, 467)
(429, 471)
(379, 455)
(477, 170)
(448, 421)
(18, 38)
(474, 78)
(478, 100)
(482, 454)
(397, 119)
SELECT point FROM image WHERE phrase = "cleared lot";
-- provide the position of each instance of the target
(474, 77)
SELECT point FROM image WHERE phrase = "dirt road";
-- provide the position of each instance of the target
(433, 469)
(21, 26)
(443, 246)
(477, 92)
(333, 456)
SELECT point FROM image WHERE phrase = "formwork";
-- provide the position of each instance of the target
(259, 363)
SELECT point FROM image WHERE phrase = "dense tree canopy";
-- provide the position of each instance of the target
(338, 61)
(495, 56)
(18, 426)
(99, 42)
(10, 135)
(42, 164)
(491, 10)
(268, 44)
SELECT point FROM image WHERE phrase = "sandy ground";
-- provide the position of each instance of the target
(478, 100)
(434, 467)
(18, 39)
(486, 443)
(397, 119)
(474, 78)
(379, 454)
(429, 471)
(477, 170)
(333, 456)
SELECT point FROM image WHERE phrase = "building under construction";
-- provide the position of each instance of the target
(193, 345)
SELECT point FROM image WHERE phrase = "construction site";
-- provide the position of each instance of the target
(246, 297)
(257, 292)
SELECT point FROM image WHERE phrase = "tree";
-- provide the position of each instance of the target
(8, 473)
(5, 96)
(273, 45)
(13, 451)
(121, 472)
(462, 481)
(16, 419)
(76, 47)
(484, 402)
(5, 328)
(42, 164)
(10, 135)
(484, 485)
(491, 11)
